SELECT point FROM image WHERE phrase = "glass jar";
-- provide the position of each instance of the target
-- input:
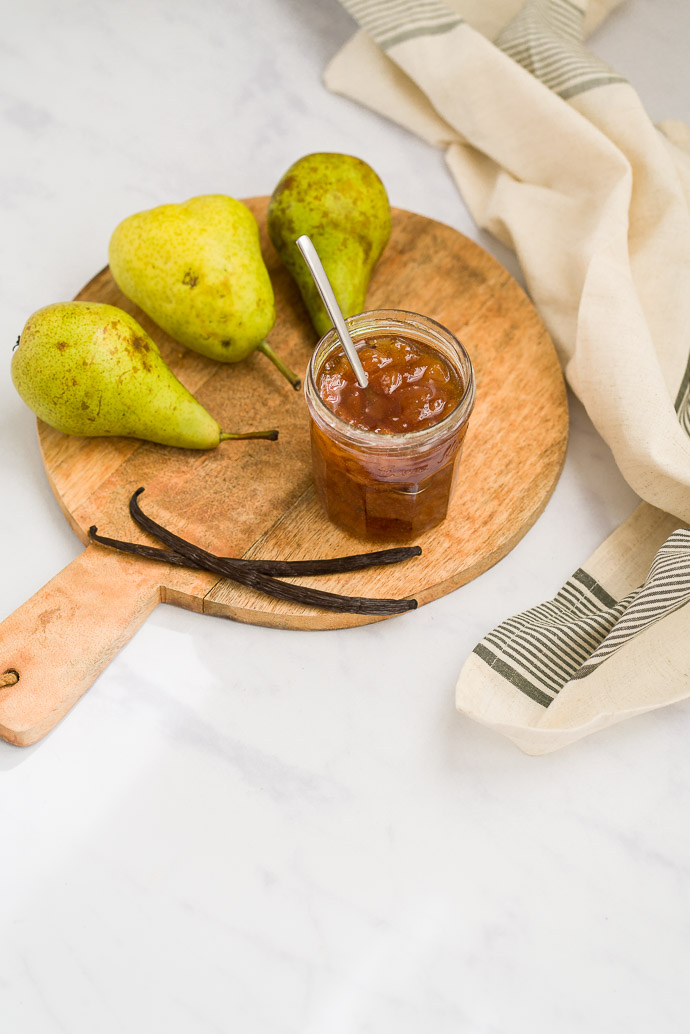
(379, 485)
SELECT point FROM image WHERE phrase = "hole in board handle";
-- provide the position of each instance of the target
(9, 678)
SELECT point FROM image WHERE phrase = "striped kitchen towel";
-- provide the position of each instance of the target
(555, 155)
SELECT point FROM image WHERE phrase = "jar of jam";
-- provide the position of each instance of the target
(385, 457)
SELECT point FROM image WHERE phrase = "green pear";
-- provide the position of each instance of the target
(197, 270)
(341, 204)
(88, 368)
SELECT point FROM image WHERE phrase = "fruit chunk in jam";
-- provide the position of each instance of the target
(411, 387)
(374, 475)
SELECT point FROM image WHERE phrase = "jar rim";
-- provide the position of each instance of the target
(382, 440)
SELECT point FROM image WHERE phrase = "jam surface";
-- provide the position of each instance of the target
(411, 386)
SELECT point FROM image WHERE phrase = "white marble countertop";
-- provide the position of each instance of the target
(246, 830)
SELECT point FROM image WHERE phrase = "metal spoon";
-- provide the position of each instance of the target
(311, 257)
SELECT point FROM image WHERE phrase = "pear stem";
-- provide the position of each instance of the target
(278, 362)
(226, 436)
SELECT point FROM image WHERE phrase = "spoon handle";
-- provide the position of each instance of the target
(311, 257)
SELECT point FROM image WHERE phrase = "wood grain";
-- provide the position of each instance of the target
(256, 498)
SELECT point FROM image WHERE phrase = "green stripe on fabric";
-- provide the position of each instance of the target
(665, 590)
(591, 84)
(428, 30)
(512, 676)
(594, 587)
(568, 637)
(390, 22)
(546, 38)
(681, 402)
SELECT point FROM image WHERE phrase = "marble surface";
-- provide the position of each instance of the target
(240, 829)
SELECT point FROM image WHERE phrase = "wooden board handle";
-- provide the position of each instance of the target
(54, 646)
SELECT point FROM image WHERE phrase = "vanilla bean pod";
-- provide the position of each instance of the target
(265, 583)
(168, 556)
(332, 565)
(275, 568)
(249, 576)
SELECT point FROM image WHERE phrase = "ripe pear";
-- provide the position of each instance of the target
(88, 368)
(342, 205)
(197, 270)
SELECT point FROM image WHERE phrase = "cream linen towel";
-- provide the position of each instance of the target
(555, 155)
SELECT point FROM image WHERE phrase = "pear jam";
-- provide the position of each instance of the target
(410, 388)
(385, 457)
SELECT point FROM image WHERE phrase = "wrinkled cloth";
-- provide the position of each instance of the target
(555, 155)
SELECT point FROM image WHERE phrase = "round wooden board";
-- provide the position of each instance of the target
(256, 498)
